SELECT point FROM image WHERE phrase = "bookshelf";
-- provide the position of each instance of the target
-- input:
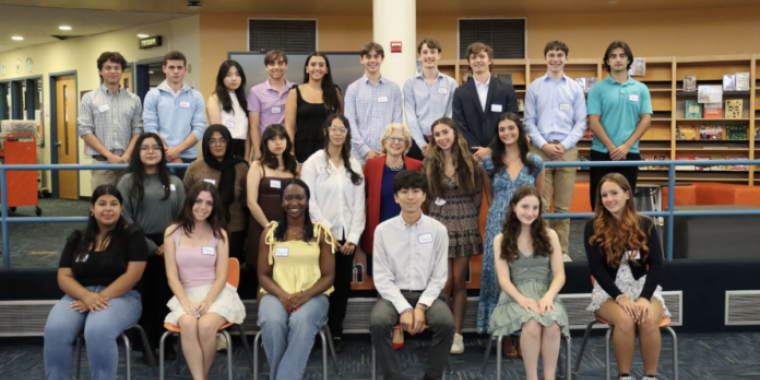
(664, 78)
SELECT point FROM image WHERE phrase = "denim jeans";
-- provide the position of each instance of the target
(101, 330)
(288, 337)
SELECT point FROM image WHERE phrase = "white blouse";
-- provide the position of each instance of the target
(236, 122)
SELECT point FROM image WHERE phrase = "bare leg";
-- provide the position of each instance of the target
(550, 341)
(530, 341)
(208, 325)
(458, 289)
(625, 333)
(191, 346)
(650, 339)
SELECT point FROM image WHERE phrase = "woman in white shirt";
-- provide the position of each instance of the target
(227, 105)
(336, 182)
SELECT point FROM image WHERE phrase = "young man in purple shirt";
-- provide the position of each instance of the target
(266, 101)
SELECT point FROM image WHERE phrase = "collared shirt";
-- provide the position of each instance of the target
(175, 115)
(555, 111)
(482, 91)
(269, 103)
(410, 257)
(620, 106)
(112, 119)
(165, 86)
(369, 109)
(424, 104)
(335, 201)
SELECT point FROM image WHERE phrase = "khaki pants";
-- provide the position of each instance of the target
(104, 177)
(562, 180)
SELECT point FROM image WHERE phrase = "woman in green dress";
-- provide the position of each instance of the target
(531, 273)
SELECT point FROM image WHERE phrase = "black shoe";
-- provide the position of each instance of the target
(338, 344)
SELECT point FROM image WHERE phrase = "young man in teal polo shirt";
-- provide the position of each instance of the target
(620, 111)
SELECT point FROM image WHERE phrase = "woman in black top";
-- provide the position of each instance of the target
(99, 270)
(625, 258)
(308, 106)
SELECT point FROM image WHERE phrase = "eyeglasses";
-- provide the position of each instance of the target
(217, 142)
(399, 140)
(148, 148)
(338, 130)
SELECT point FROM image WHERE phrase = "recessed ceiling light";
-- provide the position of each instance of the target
(64, 27)
(143, 35)
(194, 4)
(17, 38)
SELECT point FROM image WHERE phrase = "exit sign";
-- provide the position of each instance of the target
(150, 42)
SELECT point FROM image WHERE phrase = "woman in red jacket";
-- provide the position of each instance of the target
(379, 173)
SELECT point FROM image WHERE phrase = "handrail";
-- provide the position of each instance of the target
(670, 213)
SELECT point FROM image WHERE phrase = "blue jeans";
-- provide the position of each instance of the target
(101, 329)
(288, 337)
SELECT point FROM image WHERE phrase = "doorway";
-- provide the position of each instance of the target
(148, 75)
(66, 135)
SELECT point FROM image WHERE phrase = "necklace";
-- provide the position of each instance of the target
(295, 233)
(395, 168)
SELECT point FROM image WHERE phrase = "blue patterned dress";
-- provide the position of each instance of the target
(503, 188)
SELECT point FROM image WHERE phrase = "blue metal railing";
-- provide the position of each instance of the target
(670, 213)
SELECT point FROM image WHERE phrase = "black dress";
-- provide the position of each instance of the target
(310, 117)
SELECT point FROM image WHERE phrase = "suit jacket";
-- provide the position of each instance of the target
(373, 177)
(478, 126)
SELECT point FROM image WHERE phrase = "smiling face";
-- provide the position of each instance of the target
(337, 132)
(527, 210)
(111, 73)
(395, 144)
(555, 61)
(277, 144)
(508, 132)
(372, 62)
(277, 68)
(429, 57)
(106, 210)
(232, 80)
(150, 152)
(316, 68)
(294, 200)
(444, 136)
(203, 206)
(618, 60)
(614, 198)
(217, 145)
(175, 70)
(410, 199)
(480, 62)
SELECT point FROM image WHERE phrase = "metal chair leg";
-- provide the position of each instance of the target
(485, 358)
(246, 347)
(180, 354)
(374, 364)
(256, 340)
(607, 351)
(324, 354)
(583, 346)
(79, 357)
(565, 369)
(161, 360)
(498, 357)
(675, 351)
(229, 352)
(127, 362)
(326, 328)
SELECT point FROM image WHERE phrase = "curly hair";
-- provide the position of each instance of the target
(511, 227)
(613, 236)
(470, 179)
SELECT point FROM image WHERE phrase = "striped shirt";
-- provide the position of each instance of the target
(369, 109)
(424, 104)
(112, 119)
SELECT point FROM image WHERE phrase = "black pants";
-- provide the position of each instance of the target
(415, 152)
(597, 173)
(344, 269)
(237, 244)
(238, 148)
(156, 293)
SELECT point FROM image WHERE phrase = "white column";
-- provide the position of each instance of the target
(396, 20)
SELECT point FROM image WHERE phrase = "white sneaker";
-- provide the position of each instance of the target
(458, 346)
(627, 378)
(648, 378)
(566, 258)
(221, 343)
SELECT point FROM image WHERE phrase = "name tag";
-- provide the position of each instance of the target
(382, 99)
(103, 108)
(184, 104)
(564, 107)
(275, 184)
(633, 98)
(425, 238)
(442, 90)
(208, 250)
(230, 124)
(276, 110)
(630, 253)
(209, 180)
(83, 259)
(172, 187)
(281, 251)
(496, 107)
(439, 201)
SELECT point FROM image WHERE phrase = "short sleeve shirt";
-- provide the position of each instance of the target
(620, 106)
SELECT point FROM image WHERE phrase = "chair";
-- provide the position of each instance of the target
(499, 338)
(127, 348)
(663, 325)
(233, 278)
(324, 334)
(374, 360)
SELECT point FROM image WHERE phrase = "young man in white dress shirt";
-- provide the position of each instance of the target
(410, 257)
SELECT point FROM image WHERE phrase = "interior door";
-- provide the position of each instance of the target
(66, 109)
(126, 81)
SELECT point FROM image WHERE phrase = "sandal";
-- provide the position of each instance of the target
(512, 353)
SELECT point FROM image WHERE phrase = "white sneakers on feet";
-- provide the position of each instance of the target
(566, 258)
(627, 378)
(458, 346)
(648, 378)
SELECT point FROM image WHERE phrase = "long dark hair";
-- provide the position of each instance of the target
(345, 151)
(498, 149)
(511, 227)
(470, 179)
(137, 169)
(282, 225)
(329, 89)
(221, 91)
(185, 218)
(116, 235)
(226, 167)
(268, 158)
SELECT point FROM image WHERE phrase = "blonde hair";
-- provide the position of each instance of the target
(397, 127)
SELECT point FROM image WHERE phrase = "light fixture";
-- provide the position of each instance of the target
(141, 35)
(64, 27)
(194, 4)
(17, 38)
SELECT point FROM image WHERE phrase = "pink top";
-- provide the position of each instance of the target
(196, 265)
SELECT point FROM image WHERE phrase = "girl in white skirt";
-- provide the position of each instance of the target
(625, 257)
(196, 251)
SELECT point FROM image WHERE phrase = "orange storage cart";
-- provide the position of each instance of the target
(21, 148)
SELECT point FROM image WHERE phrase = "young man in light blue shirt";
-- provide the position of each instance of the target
(427, 96)
(175, 112)
(619, 112)
(555, 119)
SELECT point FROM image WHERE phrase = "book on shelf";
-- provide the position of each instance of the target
(520, 105)
(757, 132)
(588, 134)
(711, 132)
(729, 82)
(586, 83)
(690, 83)
(713, 110)
(734, 108)
(645, 157)
(584, 158)
(507, 77)
(736, 132)
(742, 81)
(718, 167)
(686, 132)
(689, 168)
(738, 168)
(710, 94)
(693, 109)
(660, 157)
(702, 168)
(638, 67)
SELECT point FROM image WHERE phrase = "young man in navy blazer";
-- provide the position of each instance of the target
(479, 102)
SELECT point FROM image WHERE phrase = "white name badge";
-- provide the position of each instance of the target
(103, 108)
(633, 98)
(496, 107)
(425, 238)
(564, 107)
(208, 250)
(382, 99)
(184, 104)
(230, 124)
(281, 251)
(439, 201)
(172, 187)
(83, 259)
(630, 253)
(276, 110)
(275, 184)
(209, 180)
(442, 90)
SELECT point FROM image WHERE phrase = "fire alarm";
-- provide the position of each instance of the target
(395, 46)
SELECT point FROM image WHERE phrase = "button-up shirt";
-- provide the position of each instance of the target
(369, 109)
(425, 103)
(410, 257)
(112, 119)
(335, 201)
(269, 103)
(620, 107)
(482, 91)
(555, 111)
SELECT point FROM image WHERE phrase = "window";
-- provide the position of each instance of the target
(290, 36)
(505, 36)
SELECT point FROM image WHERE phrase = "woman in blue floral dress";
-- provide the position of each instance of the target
(509, 166)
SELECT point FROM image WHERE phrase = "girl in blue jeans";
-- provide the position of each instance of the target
(99, 270)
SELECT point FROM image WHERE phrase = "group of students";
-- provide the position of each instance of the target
(417, 220)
